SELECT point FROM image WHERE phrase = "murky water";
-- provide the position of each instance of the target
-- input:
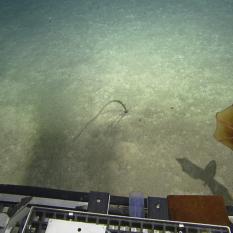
(169, 62)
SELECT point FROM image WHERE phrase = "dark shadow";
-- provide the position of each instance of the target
(50, 145)
(59, 162)
(207, 175)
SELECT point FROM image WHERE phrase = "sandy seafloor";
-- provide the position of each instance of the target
(170, 62)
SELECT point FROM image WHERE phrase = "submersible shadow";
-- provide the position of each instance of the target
(207, 175)
(97, 115)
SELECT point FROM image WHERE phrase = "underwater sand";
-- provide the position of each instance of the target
(170, 62)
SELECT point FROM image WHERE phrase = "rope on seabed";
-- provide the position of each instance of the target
(96, 116)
